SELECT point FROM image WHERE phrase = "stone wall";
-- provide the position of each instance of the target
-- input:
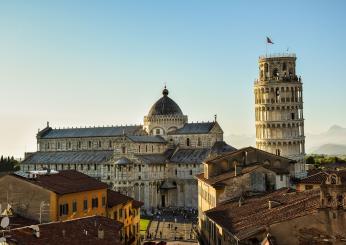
(24, 198)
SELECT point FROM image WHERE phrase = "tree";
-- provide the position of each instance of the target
(310, 160)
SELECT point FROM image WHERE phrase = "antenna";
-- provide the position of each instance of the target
(5, 222)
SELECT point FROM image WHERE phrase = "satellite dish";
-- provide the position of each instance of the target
(5, 222)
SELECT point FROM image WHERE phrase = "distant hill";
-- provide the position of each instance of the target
(330, 149)
(332, 142)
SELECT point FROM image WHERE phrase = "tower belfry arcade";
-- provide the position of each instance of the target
(279, 109)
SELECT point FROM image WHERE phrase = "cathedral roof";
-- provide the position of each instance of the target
(194, 128)
(68, 157)
(147, 139)
(165, 106)
(49, 133)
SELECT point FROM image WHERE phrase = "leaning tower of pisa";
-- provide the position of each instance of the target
(279, 109)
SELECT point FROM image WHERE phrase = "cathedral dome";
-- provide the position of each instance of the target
(165, 106)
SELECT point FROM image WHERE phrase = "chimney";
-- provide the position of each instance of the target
(237, 170)
(100, 234)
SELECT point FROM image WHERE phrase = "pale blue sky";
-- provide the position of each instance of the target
(105, 62)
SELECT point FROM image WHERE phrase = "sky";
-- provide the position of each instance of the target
(86, 63)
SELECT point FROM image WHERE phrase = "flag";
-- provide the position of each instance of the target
(269, 41)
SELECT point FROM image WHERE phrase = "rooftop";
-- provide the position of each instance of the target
(77, 231)
(165, 106)
(64, 182)
(317, 178)
(109, 131)
(254, 215)
(115, 198)
(68, 157)
(194, 128)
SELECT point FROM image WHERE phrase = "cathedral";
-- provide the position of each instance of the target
(155, 163)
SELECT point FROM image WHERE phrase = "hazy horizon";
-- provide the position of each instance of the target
(105, 63)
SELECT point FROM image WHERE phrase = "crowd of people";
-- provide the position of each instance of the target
(177, 214)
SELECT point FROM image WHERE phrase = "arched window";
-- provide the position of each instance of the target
(333, 180)
(188, 142)
(275, 72)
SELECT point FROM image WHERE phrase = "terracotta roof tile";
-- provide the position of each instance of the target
(254, 215)
(74, 232)
(66, 181)
(115, 198)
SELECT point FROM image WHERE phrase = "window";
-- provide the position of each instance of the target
(103, 201)
(95, 202)
(47, 145)
(85, 204)
(88, 167)
(146, 148)
(308, 187)
(187, 142)
(176, 172)
(108, 167)
(292, 115)
(95, 167)
(139, 168)
(110, 144)
(152, 148)
(115, 214)
(190, 172)
(123, 149)
(79, 144)
(199, 142)
(100, 143)
(281, 177)
(74, 206)
(139, 148)
(89, 144)
(284, 66)
(157, 131)
(69, 145)
(63, 209)
(59, 145)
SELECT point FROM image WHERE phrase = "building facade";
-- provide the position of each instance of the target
(155, 162)
(316, 216)
(236, 175)
(279, 109)
(68, 195)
